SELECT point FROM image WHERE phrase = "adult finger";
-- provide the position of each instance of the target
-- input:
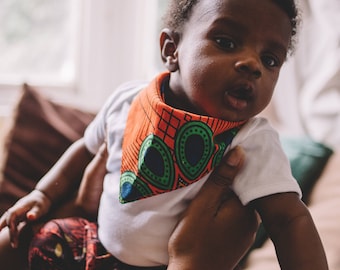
(217, 187)
(102, 152)
(225, 173)
(91, 186)
(12, 220)
(3, 220)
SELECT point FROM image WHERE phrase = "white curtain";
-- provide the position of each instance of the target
(307, 97)
(119, 42)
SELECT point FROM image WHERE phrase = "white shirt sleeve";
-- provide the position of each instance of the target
(112, 114)
(267, 169)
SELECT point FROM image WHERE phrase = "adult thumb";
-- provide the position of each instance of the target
(230, 165)
(218, 184)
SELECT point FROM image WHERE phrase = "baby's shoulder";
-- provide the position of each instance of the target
(257, 125)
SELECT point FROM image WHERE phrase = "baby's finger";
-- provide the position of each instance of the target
(34, 213)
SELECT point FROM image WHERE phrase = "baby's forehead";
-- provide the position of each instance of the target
(207, 10)
(209, 7)
(243, 16)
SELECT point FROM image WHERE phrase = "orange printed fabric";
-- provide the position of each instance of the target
(165, 149)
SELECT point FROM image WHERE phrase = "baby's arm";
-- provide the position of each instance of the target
(292, 230)
(61, 180)
(65, 176)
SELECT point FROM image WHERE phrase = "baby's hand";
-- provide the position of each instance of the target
(28, 208)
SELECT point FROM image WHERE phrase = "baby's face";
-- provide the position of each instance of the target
(229, 55)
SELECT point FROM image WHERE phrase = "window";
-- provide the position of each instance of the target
(37, 41)
(77, 51)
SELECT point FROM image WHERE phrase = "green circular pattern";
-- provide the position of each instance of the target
(155, 163)
(132, 187)
(193, 148)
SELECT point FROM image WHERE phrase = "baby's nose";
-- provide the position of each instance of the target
(249, 66)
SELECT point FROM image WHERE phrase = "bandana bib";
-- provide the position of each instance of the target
(165, 149)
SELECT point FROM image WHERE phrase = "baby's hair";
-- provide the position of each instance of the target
(179, 11)
(290, 8)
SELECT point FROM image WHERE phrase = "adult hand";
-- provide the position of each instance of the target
(29, 208)
(216, 230)
(91, 186)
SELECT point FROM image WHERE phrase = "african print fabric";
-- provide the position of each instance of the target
(73, 244)
(165, 149)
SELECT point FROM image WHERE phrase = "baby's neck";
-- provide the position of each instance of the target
(175, 101)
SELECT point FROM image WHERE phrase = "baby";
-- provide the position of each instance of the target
(223, 58)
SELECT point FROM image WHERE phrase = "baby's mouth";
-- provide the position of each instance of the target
(239, 98)
(242, 92)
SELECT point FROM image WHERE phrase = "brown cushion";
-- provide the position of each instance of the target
(40, 133)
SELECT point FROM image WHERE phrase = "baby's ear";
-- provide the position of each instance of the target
(168, 42)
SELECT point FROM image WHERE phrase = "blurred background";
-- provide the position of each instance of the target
(77, 50)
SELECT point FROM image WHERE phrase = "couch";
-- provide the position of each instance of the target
(40, 130)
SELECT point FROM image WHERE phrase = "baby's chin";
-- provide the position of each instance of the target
(231, 116)
(226, 114)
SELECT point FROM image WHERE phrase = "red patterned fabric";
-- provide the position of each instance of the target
(72, 244)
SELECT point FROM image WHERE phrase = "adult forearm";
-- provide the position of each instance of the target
(64, 177)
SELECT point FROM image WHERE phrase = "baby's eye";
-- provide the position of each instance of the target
(226, 43)
(270, 61)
